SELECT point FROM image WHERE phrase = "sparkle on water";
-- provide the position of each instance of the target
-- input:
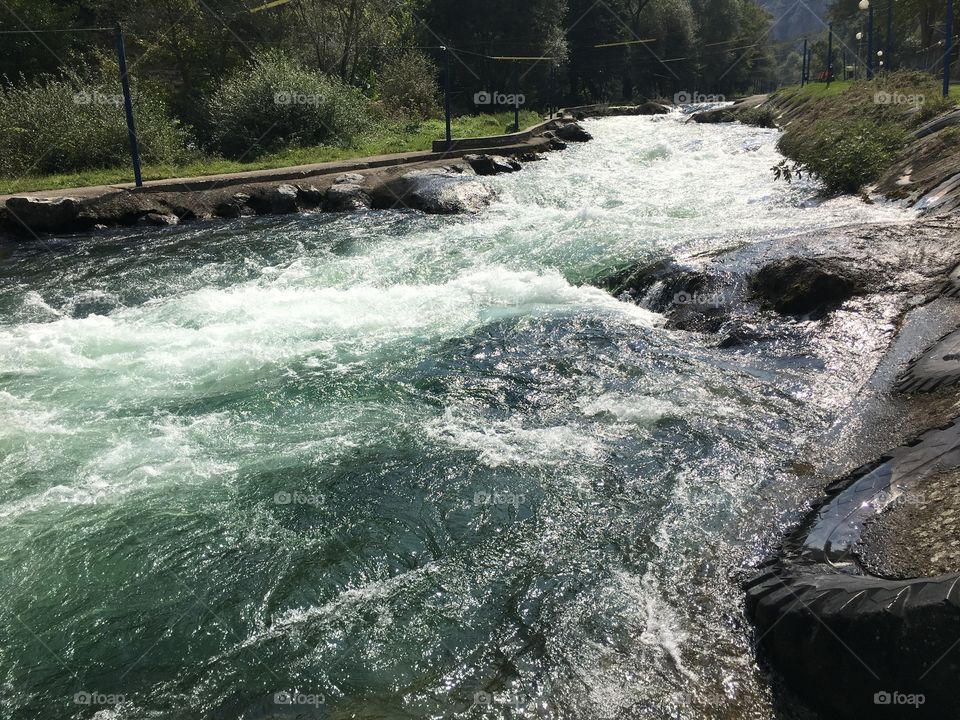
(395, 465)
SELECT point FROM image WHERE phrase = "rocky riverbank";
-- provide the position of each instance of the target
(436, 183)
(898, 134)
(826, 606)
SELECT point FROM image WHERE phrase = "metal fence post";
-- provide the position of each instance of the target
(446, 96)
(516, 96)
(830, 56)
(948, 49)
(128, 107)
(803, 65)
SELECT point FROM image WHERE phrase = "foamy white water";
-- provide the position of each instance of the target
(411, 465)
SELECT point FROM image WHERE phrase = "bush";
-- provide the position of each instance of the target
(847, 157)
(75, 122)
(275, 103)
(758, 117)
(407, 87)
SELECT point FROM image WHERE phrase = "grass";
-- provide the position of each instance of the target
(397, 138)
(851, 133)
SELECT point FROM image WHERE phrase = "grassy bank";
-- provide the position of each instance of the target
(852, 132)
(383, 140)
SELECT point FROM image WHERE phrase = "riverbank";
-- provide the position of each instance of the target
(435, 182)
(860, 600)
(895, 135)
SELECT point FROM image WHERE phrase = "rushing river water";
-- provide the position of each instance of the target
(400, 466)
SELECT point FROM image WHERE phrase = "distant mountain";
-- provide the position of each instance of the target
(792, 18)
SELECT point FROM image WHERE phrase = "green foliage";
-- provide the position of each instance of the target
(275, 102)
(847, 157)
(74, 122)
(407, 87)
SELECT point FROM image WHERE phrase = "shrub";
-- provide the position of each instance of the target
(275, 103)
(846, 157)
(758, 117)
(407, 87)
(76, 121)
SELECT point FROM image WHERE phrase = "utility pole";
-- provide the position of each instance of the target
(128, 107)
(870, 42)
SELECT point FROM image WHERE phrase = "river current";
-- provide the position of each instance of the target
(387, 465)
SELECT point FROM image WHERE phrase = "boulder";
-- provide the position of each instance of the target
(651, 108)
(310, 196)
(803, 285)
(347, 194)
(573, 132)
(274, 201)
(232, 208)
(528, 157)
(439, 191)
(491, 164)
(46, 214)
(158, 220)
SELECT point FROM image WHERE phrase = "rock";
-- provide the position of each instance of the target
(46, 214)
(573, 132)
(310, 196)
(651, 108)
(803, 286)
(347, 194)
(441, 191)
(158, 220)
(275, 201)
(232, 208)
(528, 157)
(717, 115)
(491, 165)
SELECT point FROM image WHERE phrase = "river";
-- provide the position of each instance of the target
(388, 465)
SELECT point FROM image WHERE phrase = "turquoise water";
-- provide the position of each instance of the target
(396, 466)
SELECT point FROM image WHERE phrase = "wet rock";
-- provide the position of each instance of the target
(235, 207)
(573, 132)
(528, 157)
(803, 285)
(347, 194)
(274, 201)
(651, 108)
(555, 142)
(158, 220)
(718, 115)
(310, 196)
(439, 191)
(45, 214)
(491, 165)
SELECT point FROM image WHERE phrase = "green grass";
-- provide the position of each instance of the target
(848, 134)
(412, 137)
